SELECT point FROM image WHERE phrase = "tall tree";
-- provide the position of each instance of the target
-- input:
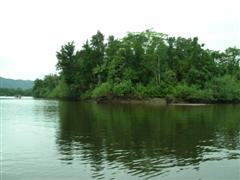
(98, 50)
(66, 62)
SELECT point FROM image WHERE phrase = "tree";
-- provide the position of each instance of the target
(67, 61)
(98, 49)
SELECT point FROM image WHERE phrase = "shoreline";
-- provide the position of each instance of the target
(155, 101)
(148, 101)
(188, 104)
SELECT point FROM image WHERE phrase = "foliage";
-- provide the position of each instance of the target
(45, 87)
(140, 90)
(103, 89)
(193, 93)
(60, 91)
(226, 88)
(123, 88)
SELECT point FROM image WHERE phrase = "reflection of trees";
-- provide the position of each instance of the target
(46, 108)
(145, 140)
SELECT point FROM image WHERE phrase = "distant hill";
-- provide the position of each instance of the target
(14, 84)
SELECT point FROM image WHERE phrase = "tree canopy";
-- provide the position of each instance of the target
(144, 64)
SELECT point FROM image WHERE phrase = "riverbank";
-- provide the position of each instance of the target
(128, 100)
(173, 101)
(147, 101)
(156, 101)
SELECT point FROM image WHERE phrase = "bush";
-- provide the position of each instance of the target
(123, 88)
(225, 88)
(103, 89)
(140, 90)
(151, 90)
(60, 91)
(193, 94)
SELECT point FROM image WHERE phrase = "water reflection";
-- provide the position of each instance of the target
(146, 141)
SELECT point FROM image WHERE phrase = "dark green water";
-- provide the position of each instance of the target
(46, 139)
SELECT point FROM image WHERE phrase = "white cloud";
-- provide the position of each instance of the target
(33, 30)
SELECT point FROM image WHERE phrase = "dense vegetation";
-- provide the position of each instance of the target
(145, 64)
(15, 92)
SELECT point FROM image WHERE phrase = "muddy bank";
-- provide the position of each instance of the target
(187, 104)
(127, 100)
(147, 101)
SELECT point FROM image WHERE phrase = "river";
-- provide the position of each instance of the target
(54, 140)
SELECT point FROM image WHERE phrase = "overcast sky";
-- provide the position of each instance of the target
(31, 31)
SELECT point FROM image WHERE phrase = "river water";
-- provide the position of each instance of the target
(54, 140)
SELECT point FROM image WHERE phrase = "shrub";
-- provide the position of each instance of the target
(140, 90)
(60, 91)
(225, 88)
(192, 93)
(103, 89)
(123, 88)
(151, 90)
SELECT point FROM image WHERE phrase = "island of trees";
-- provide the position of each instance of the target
(143, 65)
